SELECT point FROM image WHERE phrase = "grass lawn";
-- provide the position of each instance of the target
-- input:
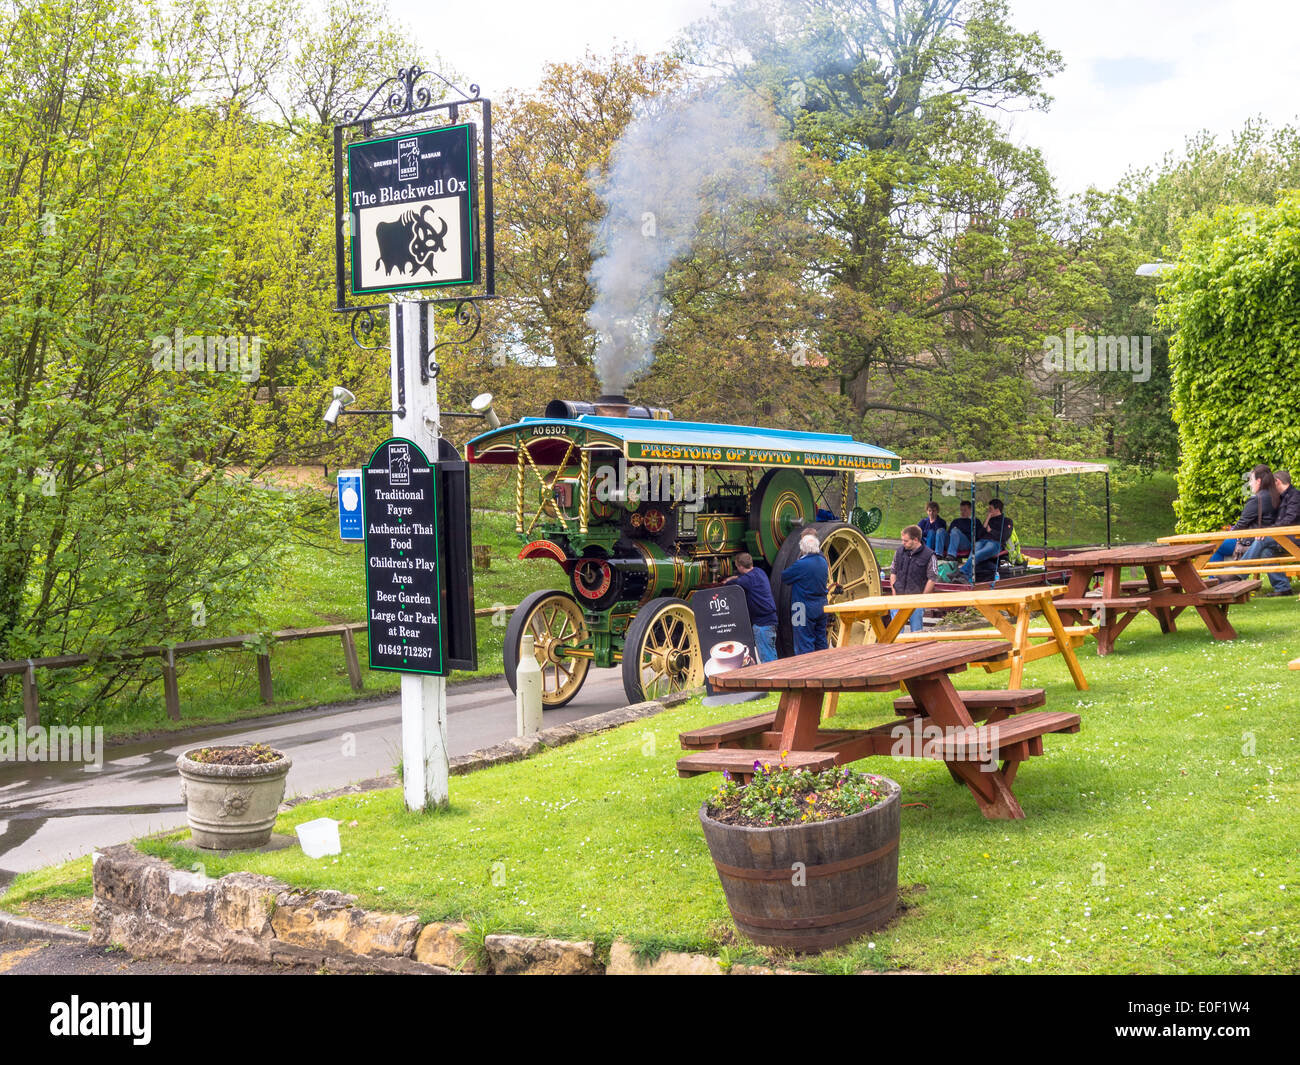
(1161, 838)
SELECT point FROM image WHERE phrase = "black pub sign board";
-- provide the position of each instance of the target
(413, 210)
(403, 582)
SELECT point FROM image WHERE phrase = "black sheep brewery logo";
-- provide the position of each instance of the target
(413, 210)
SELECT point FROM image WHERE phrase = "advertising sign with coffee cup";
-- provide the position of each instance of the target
(726, 638)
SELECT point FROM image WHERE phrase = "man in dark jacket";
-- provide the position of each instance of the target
(934, 530)
(1288, 513)
(990, 545)
(915, 570)
(965, 532)
(807, 579)
(762, 607)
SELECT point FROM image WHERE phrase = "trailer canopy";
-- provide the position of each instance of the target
(985, 472)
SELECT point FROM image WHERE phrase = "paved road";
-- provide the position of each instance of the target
(50, 812)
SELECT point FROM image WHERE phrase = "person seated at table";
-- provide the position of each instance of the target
(1288, 513)
(762, 607)
(807, 579)
(914, 571)
(964, 532)
(997, 531)
(934, 530)
(1260, 510)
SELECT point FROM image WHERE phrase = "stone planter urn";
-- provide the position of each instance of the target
(232, 806)
(810, 887)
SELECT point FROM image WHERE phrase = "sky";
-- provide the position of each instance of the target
(1140, 75)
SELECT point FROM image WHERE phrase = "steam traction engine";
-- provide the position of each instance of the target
(640, 510)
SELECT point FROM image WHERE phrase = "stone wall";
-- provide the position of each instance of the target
(150, 909)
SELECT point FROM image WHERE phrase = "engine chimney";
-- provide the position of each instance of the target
(609, 406)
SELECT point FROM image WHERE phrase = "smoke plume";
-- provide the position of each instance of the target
(708, 152)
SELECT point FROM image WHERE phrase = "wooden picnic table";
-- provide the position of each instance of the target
(1288, 563)
(1120, 602)
(938, 721)
(1022, 603)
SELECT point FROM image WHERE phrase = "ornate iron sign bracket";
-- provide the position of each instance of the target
(402, 97)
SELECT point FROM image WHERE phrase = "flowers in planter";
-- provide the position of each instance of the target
(782, 796)
(249, 754)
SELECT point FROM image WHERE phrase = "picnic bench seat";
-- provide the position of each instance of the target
(1118, 602)
(980, 704)
(1230, 591)
(729, 732)
(740, 761)
(1081, 631)
(1014, 739)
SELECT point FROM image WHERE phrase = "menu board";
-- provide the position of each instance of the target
(726, 638)
(403, 583)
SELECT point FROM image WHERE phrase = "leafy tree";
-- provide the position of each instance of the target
(1144, 221)
(940, 226)
(1230, 309)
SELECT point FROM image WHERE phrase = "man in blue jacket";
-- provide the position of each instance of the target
(807, 579)
(762, 607)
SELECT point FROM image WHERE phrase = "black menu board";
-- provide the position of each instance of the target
(403, 589)
(726, 638)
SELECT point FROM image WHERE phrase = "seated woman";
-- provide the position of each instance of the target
(1259, 512)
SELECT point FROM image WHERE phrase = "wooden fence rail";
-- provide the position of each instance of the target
(27, 667)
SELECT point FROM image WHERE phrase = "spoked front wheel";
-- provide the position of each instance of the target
(555, 622)
(661, 653)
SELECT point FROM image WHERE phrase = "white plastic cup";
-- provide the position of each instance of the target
(320, 838)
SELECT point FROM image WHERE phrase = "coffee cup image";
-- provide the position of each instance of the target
(730, 654)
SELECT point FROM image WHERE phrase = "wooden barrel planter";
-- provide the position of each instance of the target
(814, 886)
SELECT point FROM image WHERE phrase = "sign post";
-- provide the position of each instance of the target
(409, 214)
(424, 697)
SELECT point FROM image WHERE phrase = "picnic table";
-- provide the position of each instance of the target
(1288, 563)
(1120, 601)
(1022, 603)
(937, 721)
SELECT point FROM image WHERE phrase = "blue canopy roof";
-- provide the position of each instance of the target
(551, 440)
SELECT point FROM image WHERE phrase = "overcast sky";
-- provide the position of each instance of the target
(1141, 75)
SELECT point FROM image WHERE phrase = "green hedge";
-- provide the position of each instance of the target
(1233, 308)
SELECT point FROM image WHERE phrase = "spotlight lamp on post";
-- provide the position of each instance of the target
(480, 407)
(339, 406)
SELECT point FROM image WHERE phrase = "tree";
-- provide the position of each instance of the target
(929, 206)
(1229, 307)
(1144, 221)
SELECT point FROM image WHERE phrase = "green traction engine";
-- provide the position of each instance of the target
(640, 510)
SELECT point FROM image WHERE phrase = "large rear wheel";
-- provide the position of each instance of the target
(661, 652)
(854, 574)
(555, 622)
